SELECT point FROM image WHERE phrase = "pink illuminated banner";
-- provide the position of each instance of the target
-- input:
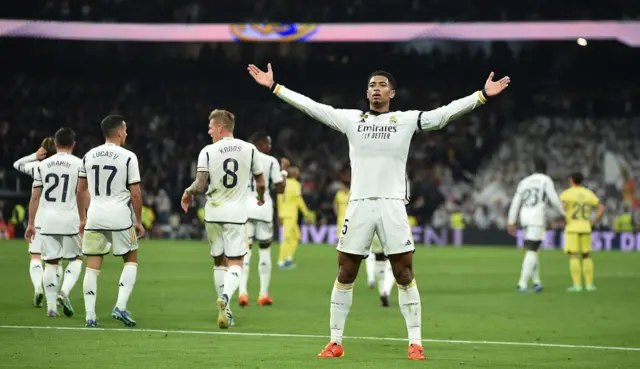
(625, 32)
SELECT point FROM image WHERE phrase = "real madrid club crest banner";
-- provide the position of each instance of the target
(627, 32)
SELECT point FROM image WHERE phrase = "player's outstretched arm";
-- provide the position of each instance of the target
(322, 113)
(440, 117)
(27, 163)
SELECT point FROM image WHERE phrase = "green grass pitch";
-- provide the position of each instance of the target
(472, 316)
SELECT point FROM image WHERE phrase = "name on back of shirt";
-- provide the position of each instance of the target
(228, 149)
(58, 163)
(105, 153)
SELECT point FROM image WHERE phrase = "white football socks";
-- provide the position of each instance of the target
(528, 264)
(536, 271)
(231, 281)
(389, 279)
(90, 289)
(50, 286)
(126, 284)
(244, 278)
(264, 268)
(218, 278)
(411, 309)
(380, 267)
(71, 275)
(370, 265)
(341, 299)
(59, 273)
(36, 274)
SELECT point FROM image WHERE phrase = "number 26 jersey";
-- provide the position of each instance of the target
(109, 170)
(231, 163)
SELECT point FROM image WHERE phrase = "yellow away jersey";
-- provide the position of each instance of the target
(579, 203)
(291, 201)
(341, 200)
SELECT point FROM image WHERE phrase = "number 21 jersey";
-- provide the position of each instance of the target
(231, 163)
(58, 209)
(109, 170)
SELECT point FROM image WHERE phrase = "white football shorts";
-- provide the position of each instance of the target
(228, 239)
(259, 230)
(35, 246)
(386, 217)
(534, 233)
(376, 245)
(60, 247)
(102, 242)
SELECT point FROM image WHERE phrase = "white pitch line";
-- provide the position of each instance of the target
(288, 335)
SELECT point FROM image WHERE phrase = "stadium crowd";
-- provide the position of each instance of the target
(556, 107)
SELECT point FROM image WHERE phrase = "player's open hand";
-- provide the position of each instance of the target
(263, 78)
(186, 201)
(30, 233)
(511, 228)
(493, 88)
(139, 230)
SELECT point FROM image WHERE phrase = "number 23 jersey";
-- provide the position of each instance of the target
(109, 170)
(532, 196)
(231, 163)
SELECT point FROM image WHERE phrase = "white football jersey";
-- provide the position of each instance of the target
(379, 143)
(58, 177)
(532, 196)
(27, 165)
(110, 170)
(272, 175)
(231, 164)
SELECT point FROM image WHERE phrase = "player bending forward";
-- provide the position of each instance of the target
(57, 178)
(109, 181)
(579, 202)
(531, 198)
(27, 166)
(260, 222)
(378, 148)
(227, 165)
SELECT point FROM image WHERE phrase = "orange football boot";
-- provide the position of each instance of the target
(416, 352)
(243, 300)
(265, 301)
(331, 351)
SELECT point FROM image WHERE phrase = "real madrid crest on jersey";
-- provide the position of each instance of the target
(393, 119)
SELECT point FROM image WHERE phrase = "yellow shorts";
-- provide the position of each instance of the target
(577, 243)
(290, 230)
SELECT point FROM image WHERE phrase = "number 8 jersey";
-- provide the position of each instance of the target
(231, 163)
(58, 209)
(110, 170)
(532, 196)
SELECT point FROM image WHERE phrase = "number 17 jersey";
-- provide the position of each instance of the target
(109, 170)
(231, 163)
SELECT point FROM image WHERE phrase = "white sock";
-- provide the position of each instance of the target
(370, 265)
(528, 264)
(380, 275)
(35, 272)
(389, 279)
(264, 268)
(218, 278)
(536, 271)
(59, 273)
(127, 281)
(90, 290)
(71, 276)
(244, 278)
(409, 300)
(231, 281)
(341, 298)
(50, 286)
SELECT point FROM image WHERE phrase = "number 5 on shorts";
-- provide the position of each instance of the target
(345, 226)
